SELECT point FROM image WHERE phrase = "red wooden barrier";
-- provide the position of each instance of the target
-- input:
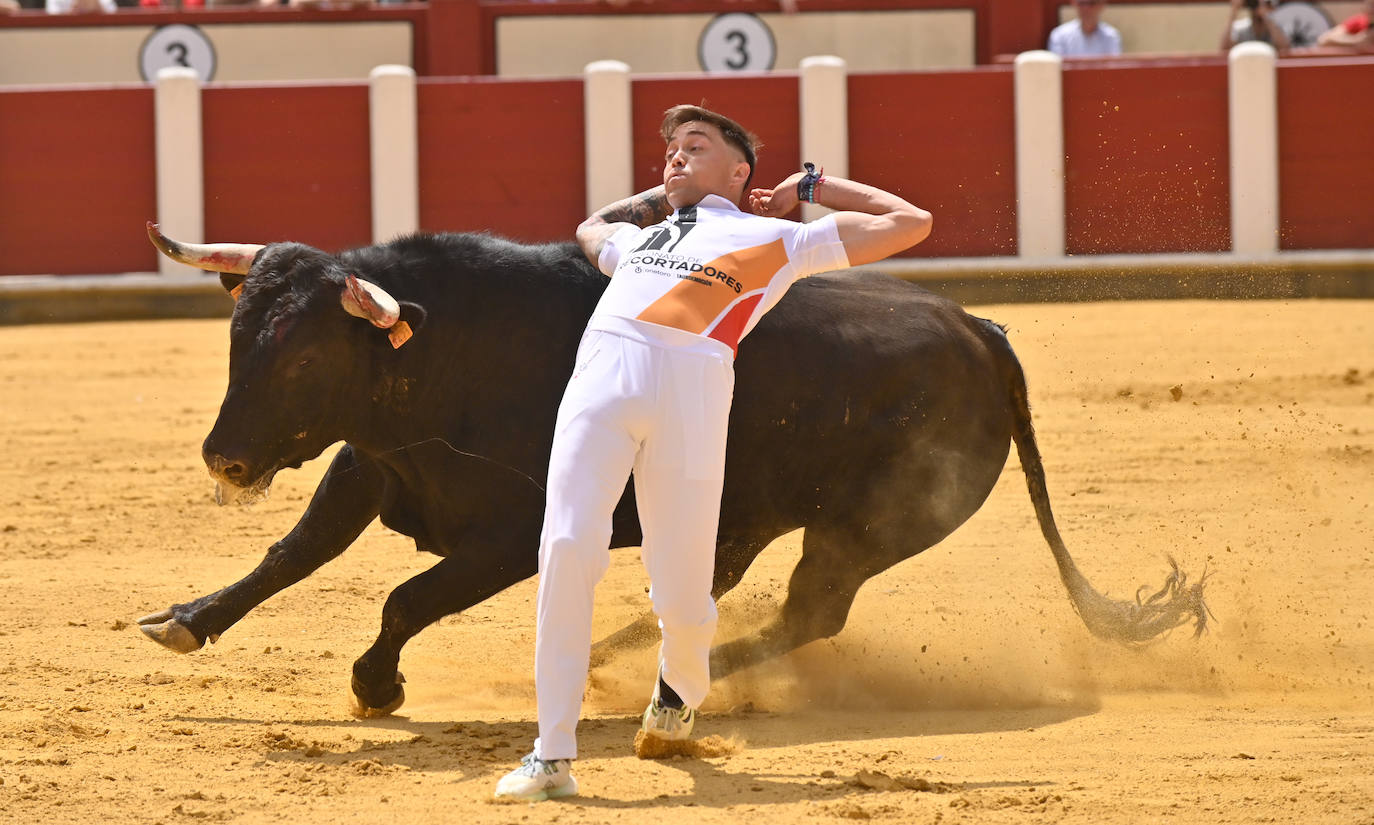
(1146, 146)
(288, 162)
(76, 181)
(944, 141)
(1326, 177)
(1146, 159)
(502, 155)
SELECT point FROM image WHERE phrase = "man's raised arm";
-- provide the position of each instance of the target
(645, 209)
(873, 224)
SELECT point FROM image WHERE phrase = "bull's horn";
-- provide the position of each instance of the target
(234, 258)
(364, 299)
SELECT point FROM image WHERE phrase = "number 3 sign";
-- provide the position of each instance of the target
(736, 43)
(177, 45)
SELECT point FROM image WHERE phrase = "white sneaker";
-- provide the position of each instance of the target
(667, 723)
(536, 780)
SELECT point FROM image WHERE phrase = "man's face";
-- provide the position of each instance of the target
(699, 162)
(1090, 11)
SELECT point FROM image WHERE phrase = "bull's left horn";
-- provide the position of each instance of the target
(366, 300)
(234, 258)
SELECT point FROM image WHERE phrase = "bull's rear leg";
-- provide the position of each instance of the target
(733, 558)
(833, 566)
(347, 500)
(476, 573)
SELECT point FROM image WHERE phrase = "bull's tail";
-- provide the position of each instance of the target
(1130, 622)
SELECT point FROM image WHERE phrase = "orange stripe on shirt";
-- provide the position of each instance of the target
(691, 305)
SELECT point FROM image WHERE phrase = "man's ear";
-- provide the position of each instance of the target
(741, 173)
(739, 178)
(233, 284)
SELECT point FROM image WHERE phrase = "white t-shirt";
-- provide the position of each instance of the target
(1068, 40)
(710, 269)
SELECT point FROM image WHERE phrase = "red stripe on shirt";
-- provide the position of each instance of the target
(731, 327)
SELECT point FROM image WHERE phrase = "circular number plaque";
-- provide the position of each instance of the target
(736, 43)
(177, 45)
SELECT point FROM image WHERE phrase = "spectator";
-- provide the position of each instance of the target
(1258, 25)
(1087, 36)
(785, 6)
(79, 6)
(329, 4)
(9, 6)
(1354, 33)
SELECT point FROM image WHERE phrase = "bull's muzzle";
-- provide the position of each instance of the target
(224, 469)
(233, 485)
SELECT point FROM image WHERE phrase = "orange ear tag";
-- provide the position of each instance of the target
(399, 334)
(236, 292)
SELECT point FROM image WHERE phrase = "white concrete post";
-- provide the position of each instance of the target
(608, 132)
(1039, 95)
(824, 92)
(180, 163)
(395, 152)
(1253, 91)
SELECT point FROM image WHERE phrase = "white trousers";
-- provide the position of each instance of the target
(662, 413)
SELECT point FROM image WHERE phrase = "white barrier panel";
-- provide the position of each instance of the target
(395, 152)
(180, 163)
(608, 132)
(1254, 131)
(824, 93)
(1039, 155)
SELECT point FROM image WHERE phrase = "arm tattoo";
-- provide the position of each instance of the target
(645, 209)
(593, 240)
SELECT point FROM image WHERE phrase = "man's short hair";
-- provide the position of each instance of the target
(734, 134)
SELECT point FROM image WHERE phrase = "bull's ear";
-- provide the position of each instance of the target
(413, 314)
(233, 284)
(410, 316)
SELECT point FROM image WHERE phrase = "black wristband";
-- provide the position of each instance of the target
(806, 187)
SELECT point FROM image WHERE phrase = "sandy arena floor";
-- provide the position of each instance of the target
(964, 690)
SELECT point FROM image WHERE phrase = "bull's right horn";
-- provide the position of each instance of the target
(234, 258)
(364, 299)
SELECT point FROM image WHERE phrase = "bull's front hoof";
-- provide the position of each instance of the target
(362, 710)
(168, 632)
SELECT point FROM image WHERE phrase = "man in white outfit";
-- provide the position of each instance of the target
(650, 395)
(1088, 36)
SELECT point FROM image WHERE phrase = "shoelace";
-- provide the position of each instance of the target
(532, 766)
(671, 717)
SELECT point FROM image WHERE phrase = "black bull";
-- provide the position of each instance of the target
(868, 411)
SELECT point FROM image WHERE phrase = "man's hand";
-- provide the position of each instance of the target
(872, 223)
(778, 201)
(1277, 36)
